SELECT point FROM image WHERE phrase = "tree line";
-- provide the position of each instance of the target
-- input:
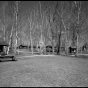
(55, 23)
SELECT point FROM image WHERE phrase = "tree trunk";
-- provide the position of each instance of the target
(53, 47)
(4, 31)
(10, 41)
(66, 49)
(31, 42)
(31, 45)
(77, 46)
(59, 41)
(59, 38)
(53, 44)
(16, 17)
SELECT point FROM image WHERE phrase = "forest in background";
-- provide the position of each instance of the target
(55, 23)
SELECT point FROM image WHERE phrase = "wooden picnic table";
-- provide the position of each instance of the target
(8, 56)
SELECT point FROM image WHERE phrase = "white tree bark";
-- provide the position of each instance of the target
(78, 5)
(10, 40)
(31, 28)
(4, 28)
(64, 28)
(16, 20)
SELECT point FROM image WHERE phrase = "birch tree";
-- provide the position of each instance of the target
(59, 11)
(51, 19)
(11, 35)
(78, 6)
(31, 23)
(42, 17)
(4, 18)
(79, 23)
(61, 14)
(16, 24)
(6, 21)
(62, 11)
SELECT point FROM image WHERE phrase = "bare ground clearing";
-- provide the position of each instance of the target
(40, 71)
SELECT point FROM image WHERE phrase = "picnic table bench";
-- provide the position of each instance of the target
(7, 56)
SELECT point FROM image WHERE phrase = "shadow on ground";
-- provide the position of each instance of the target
(83, 56)
(7, 61)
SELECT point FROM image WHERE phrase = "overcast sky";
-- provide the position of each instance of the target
(25, 5)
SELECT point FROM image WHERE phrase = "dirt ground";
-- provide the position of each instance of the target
(44, 71)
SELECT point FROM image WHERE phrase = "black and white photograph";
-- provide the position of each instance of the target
(43, 43)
